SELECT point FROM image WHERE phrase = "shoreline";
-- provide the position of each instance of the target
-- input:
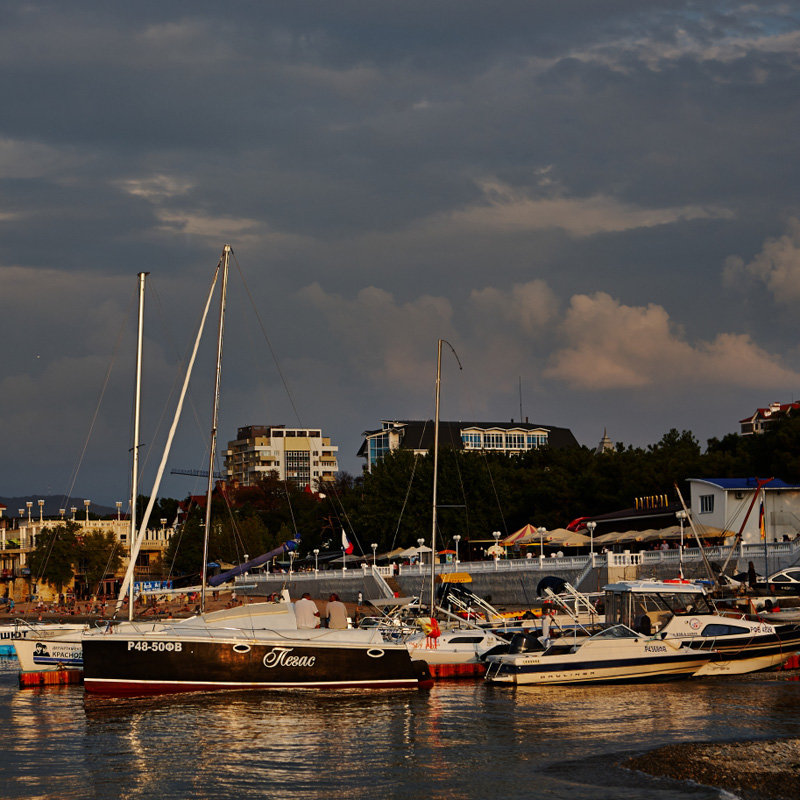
(754, 770)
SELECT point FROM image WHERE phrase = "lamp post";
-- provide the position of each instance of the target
(496, 535)
(591, 526)
(61, 512)
(541, 531)
(292, 554)
(316, 561)
(374, 547)
(41, 511)
(457, 539)
(73, 511)
(29, 504)
(87, 503)
(681, 515)
(420, 542)
(119, 509)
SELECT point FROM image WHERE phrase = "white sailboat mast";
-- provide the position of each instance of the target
(435, 476)
(214, 421)
(137, 407)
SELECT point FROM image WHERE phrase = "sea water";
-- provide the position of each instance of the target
(459, 740)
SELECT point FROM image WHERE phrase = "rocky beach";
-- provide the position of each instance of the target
(755, 770)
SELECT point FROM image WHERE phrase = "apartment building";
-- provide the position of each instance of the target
(301, 455)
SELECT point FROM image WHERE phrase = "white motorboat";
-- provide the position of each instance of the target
(680, 611)
(615, 655)
(453, 652)
(51, 652)
(22, 630)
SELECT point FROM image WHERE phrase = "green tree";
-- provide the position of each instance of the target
(57, 551)
(99, 555)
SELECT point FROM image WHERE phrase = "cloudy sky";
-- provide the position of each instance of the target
(595, 203)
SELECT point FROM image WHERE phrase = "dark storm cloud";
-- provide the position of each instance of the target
(556, 187)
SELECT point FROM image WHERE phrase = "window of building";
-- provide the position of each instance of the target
(515, 441)
(493, 441)
(378, 447)
(472, 441)
(706, 503)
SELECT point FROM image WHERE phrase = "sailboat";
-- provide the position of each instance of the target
(253, 646)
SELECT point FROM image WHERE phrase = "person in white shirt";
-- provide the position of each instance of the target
(306, 612)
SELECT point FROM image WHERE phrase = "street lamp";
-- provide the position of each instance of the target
(496, 535)
(29, 503)
(119, 509)
(541, 532)
(87, 503)
(316, 562)
(420, 542)
(73, 510)
(681, 515)
(41, 511)
(457, 539)
(374, 547)
(591, 526)
(61, 512)
(292, 554)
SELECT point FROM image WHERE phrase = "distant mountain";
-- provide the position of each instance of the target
(52, 504)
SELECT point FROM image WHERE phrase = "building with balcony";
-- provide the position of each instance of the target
(762, 418)
(300, 455)
(510, 438)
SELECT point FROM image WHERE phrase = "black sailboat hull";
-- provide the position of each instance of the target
(144, 665)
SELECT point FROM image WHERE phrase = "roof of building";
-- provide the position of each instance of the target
(418, 434)
(772, 410)
(744, 484)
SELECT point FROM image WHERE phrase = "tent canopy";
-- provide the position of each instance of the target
(524, 535)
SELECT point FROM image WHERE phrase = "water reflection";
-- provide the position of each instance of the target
(466, 740)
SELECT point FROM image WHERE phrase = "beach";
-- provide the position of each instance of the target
(754, 770)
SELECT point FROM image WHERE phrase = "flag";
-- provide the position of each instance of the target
(347, 546)
(761, 526)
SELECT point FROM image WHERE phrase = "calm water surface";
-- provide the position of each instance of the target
(464, 740)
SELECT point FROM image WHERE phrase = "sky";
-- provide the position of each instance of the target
(595, 204)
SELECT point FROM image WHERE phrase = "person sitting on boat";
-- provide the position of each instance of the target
(336, 613)
(306, 612)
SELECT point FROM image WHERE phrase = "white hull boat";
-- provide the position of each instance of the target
(615, 655)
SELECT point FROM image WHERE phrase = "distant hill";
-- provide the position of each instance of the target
(52, 504)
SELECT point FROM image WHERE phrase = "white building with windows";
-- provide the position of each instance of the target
(301, 455)
(417, 436)
(723, 503)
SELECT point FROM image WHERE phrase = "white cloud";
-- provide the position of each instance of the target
(608, 345)
(777, 266)
(504, 209)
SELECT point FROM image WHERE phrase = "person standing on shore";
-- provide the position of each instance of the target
(336, 613)
(306, 613)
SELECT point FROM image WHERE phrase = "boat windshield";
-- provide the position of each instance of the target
(616, 632)
(629, 606)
